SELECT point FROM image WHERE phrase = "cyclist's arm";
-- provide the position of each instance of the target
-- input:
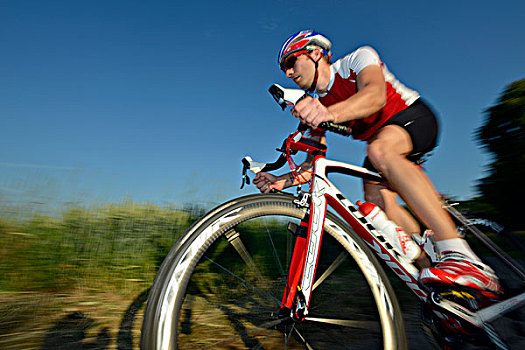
(265, 182)
(369, 99)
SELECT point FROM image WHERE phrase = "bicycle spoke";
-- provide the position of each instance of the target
(320, 305)
(303, 339)
(287, 336)
(275, 253)
(243, 331)
(234, 239)
(368, 325)
(246, 330)
(335, 264)
(246, 283)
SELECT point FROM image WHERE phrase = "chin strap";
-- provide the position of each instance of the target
(314, 82)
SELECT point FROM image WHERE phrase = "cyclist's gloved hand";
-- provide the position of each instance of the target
(312, 112)
(265, 182)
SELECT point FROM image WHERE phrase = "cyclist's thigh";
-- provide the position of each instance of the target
(391, 139)
(421, 124)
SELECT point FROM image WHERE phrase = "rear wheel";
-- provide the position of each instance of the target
(221, 286)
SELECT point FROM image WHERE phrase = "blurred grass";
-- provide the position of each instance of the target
(87, 265)
(112, 247)
(78, 275)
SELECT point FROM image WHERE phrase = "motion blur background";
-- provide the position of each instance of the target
(123, 121)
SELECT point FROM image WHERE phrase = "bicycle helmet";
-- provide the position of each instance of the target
(303, 42)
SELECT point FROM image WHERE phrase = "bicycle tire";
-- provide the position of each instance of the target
(233, 298)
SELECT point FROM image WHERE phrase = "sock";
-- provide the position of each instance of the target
(458, 245)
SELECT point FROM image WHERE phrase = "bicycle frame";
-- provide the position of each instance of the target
(324, 193)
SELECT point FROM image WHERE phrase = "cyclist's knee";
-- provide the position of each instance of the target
(382, 155)
(378, 154)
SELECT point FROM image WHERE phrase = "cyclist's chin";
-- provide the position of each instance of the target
(302, 84)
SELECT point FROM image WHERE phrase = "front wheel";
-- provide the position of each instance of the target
(221, 285)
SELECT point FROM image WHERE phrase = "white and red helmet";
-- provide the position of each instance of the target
(303, 42)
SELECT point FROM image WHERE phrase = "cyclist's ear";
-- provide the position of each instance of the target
(316, 54)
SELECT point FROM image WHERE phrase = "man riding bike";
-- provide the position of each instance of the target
(358, 91)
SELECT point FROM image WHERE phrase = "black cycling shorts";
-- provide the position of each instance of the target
(421, 124)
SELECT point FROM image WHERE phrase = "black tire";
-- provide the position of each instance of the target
(209, 295)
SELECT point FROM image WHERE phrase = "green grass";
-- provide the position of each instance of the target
(111, 247)
(97, 260)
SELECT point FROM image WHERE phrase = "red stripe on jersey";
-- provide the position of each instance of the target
(398, 97)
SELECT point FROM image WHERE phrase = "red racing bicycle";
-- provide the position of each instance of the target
(281, 271)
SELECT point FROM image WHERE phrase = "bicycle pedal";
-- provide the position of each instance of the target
(446, 327)
(463, 298)
(470, 298)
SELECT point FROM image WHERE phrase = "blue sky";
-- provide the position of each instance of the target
(158, 101)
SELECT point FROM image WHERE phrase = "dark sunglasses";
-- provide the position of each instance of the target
(289, 63)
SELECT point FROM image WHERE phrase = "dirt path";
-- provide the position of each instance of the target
(74, 320)
(90, 320)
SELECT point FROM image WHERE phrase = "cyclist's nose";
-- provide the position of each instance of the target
(289, 72)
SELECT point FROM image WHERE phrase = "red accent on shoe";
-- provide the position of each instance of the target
(457, 269)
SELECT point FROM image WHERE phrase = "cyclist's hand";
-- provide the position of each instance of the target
(265, 182)
(312, 112)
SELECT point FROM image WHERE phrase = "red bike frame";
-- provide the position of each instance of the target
(323, 193)
(306, 251)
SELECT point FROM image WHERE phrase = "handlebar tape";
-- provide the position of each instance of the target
(328, 126)
(279, 163)
(338, 129)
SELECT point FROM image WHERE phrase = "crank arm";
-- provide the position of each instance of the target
(483, 316)
(476, 318)
(456, 310)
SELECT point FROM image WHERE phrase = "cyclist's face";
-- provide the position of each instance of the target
(301, 70)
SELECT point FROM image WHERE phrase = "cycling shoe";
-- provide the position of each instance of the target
(456, 269)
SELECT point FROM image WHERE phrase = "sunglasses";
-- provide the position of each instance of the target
(289, 63)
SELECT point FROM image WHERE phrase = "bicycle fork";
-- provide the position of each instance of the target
(295, 272)
(301, 274)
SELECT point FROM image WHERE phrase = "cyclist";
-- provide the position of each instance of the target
(358, 91)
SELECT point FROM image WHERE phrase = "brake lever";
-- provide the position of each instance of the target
(245, 177)
(254, 167)
(287, 97)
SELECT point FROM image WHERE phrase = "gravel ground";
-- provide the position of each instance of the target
(80, 320)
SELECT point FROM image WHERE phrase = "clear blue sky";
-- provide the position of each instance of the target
(158, 101)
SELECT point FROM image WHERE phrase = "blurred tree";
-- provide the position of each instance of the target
(503, 135)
